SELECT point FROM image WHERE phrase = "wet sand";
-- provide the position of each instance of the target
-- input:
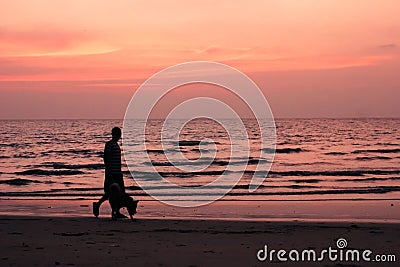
(377, 211)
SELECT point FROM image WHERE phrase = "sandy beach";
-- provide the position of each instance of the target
(45, 241)
(54, 239)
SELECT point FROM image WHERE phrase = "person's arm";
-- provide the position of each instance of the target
(106, 156)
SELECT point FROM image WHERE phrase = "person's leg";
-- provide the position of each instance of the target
(102, 199)
(96, 209)
(118, 178)
(96, 205)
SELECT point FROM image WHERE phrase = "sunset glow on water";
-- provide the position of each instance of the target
(315, 159)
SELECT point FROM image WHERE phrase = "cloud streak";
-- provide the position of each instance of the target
(50, 40)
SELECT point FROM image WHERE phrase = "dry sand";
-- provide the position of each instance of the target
(87, 241)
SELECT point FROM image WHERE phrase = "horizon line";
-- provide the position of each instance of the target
(275, 118)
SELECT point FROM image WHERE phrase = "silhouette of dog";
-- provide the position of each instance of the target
(119, 199)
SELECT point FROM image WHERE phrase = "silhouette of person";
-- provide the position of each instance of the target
(113, 173)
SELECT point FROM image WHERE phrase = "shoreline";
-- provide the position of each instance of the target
(382, 211)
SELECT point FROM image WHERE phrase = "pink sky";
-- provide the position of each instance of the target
(84, 59)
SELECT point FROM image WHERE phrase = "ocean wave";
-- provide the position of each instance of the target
(90, 166)
(176, 174)
(15, 145)
(251, 161)
(387, 144)
(314, 173)
(25, 155)
(360, 151)
(160, 163)
(331, 173)
(368, 190)
(308, 181)
(284, 150)
(318, 163)
(335, 153)
(19, 182)
(372, 179)
(44, 142)
(45, 194)
(190, 174)
(354, 173)
(75, 151)
(156, 151)
(373, 158)
(86, 152)
(247, 186)
(40, 172)
(91, 192)
(130, 189)
(194, 142)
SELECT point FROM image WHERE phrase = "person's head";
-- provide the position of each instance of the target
(116, 133)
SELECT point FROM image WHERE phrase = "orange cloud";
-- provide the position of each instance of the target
(48, 40)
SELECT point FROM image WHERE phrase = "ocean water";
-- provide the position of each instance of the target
(316, 159)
